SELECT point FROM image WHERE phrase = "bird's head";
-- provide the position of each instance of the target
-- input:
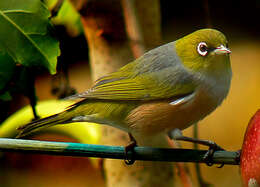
(204, 51)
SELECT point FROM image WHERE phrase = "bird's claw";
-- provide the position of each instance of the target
(208, 157)
(129, 153)
(221, 165)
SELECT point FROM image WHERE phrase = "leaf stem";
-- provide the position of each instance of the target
(31, 93)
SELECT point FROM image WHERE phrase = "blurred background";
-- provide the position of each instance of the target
(238, 20)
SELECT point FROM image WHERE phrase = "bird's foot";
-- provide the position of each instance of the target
(129, 151)
(208, 157)
(176, 134)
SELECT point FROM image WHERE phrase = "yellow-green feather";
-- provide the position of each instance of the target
(186, 48)
(142, 87)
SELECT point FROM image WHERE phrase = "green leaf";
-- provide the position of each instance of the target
(5, 96)
(25, 33)
(7, 68)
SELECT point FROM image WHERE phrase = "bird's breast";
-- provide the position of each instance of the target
(161, 116)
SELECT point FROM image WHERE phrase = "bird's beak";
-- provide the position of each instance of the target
(222, 50)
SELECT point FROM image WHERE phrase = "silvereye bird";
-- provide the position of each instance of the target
(172, 86)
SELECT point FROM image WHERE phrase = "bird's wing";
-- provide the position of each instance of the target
(158, 74)
(141, 87)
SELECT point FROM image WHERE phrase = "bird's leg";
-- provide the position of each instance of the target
(130, 148)
(176, 134)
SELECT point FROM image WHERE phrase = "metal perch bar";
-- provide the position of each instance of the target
(114, 152)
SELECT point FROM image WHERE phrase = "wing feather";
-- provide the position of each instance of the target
(142, 87)
(158, 74)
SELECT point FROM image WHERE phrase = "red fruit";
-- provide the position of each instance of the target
(250, 155)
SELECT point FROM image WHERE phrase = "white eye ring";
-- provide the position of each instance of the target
(202, 49)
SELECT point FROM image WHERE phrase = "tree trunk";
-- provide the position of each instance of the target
(105, 24)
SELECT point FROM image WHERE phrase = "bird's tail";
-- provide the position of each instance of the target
(43, 123)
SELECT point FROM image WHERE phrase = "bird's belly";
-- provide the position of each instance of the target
(161, 116)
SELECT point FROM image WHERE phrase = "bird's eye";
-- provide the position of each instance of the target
(202, 49)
